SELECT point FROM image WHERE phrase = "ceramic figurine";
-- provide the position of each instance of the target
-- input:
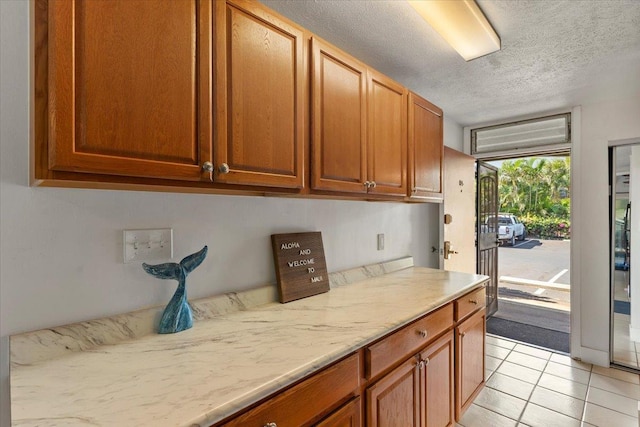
(177, 315)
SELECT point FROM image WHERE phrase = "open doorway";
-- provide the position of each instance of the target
(534, 230)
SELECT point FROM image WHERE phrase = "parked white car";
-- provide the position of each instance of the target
(509, 228)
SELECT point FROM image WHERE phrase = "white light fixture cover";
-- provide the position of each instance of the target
(462, 24)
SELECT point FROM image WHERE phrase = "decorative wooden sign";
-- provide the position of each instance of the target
(301, 268)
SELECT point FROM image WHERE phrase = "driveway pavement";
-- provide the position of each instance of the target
(535, 271)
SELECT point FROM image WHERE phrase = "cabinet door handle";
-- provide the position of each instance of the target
(271, 425)
(207, 167)
(426, 361)
(373, 184)
(472, 301)
(420, 364)
(367, 184)
(223, 168)
(423, 333)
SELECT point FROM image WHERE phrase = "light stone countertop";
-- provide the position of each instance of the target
(225, 363)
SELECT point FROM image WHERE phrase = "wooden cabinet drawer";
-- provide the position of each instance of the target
(348, 415)
(470, 302)
(305, 402)
(406, 341)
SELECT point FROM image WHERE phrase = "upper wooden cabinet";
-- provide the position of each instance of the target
(358, 122)
(426, 149)
(387, 147)
(219, 96)
(126, 87)
(260, 97)
(338, 120)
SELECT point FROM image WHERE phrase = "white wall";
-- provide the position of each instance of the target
(61, 249)
(601, 123)
(452, 134)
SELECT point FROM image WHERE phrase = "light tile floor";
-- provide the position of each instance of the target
(528, 386)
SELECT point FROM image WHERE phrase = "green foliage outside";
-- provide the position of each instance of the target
(537, 191)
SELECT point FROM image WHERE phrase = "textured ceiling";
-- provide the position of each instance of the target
(555, 54)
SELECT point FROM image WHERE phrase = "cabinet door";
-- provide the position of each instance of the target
(347, 416)
(437, 383)
(128, 87)
(426, 149)
(470, 336)
(395, 399)
(387, 138)
(259, 97)
(338, 120)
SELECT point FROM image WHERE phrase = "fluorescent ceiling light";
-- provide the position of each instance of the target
(462, 24)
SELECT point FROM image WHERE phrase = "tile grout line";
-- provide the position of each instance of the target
(533, 390)
(586, 396)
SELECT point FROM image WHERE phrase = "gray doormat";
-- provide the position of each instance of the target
(539, 326)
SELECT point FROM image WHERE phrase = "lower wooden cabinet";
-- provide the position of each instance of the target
(417, 393)
(437, 384)
(395, 399)
(470, 340)
(425, 374)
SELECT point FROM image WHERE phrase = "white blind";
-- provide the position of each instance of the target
(546, 132)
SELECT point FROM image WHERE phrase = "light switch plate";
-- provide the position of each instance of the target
(148, 245)
(380, 242)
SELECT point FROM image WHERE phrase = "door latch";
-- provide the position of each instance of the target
(448, 251)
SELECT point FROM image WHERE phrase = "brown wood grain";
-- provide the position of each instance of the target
(437, 383)
(300, 264)
(338, 120)
(470, 342)
(469, 303)
(347, 416)
(426, 149)
(123, 87)
(307, 401)
(146, 112)
(407, 341)
(260, 97)
(387, 137)
(395, 399)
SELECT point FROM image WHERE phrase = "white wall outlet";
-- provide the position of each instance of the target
(380, 242)
(148, 245)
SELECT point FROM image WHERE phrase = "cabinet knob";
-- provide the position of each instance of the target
(462, 334)
(373, 184)
(426, 361)
(367, 184)
(223, 168)
(423, 333)
(420, 364)
(207, 167)
(414, 190)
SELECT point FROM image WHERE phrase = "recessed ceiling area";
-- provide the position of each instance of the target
(555, 54)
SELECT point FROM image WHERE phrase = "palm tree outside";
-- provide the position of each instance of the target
(537, 190)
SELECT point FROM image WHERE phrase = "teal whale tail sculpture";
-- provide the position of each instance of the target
(177, 315)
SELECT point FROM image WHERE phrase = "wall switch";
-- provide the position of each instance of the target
(148, 245)
(380, 242)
